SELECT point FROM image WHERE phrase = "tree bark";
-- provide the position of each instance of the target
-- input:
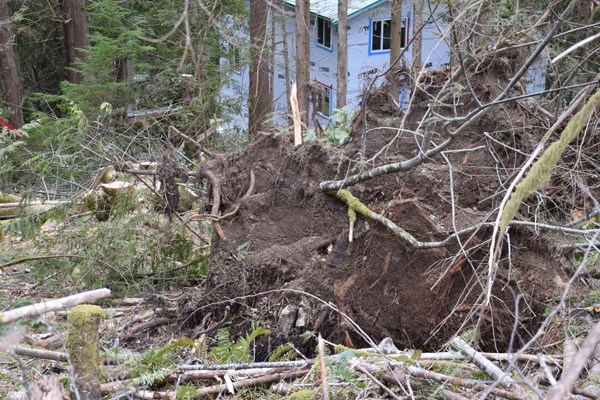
(286, 59)
(258, 100)
(8, 64)
(584, 15)
(272, 76)
(303, 56)
(395, 43)
(342, 51)
(76, 36)
(417, 44)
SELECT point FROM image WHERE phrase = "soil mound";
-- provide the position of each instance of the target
(286, 253)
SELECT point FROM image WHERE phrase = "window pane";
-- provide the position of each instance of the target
(376, 36)
(403, 38)
(319, 30)
(327, 30)
(387, 34)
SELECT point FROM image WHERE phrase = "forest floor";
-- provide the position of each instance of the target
(284, 261)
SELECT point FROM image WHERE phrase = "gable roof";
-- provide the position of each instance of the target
(329, 8)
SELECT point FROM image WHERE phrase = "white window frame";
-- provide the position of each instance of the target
(381, 50)
(322, 23)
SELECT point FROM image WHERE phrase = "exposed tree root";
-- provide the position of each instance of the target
(216, 195)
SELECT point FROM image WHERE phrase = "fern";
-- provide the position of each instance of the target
(240, 351)
(148, 378)
(7, 150)
(161, 358)
(187, 392)
(283, 352)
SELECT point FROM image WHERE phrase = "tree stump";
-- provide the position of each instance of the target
(83, 345)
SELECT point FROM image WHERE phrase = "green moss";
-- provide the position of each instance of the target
(83, 346)
(351, 214)
(9, 198)
(542, 169)
(407, 358)
(304, 394)
(353, 203)
(86, 313)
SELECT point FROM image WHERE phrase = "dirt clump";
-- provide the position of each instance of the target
(286, 255)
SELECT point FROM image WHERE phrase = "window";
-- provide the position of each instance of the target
(381, 32)
(324, 32)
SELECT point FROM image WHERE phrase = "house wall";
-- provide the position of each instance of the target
(362, 64)
(234, 80)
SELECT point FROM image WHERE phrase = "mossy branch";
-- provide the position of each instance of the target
(542, 169)
(356, 207)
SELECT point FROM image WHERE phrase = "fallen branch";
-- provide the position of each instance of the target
(376, 381)
(47, 354)
(261, 380)
(38, 353)
(148, 325)
(467, 383)
(53, 305)
(356, 205)
(478, 359)
(211, 390)
(190, 376)
(24, 204)
(241, 366)
(570, 375)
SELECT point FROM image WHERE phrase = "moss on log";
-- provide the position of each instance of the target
(83, 345)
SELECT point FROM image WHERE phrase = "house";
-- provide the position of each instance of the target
(368, 52)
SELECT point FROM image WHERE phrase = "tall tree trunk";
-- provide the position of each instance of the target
(258, 101)
(584, 15)
(303, 56)
(417, 44)
(395, 43)
(8, 64)
(272, 59)
(342, 52)
(286, 60)
(76, 35)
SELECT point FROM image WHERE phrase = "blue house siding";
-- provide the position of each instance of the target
(363, 64)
